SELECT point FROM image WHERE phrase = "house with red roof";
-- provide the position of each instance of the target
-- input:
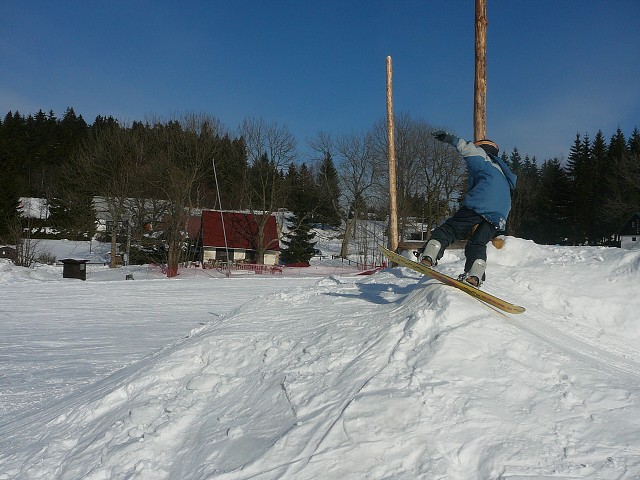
(235, 237)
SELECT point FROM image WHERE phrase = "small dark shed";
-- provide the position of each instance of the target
(72, 268)
(7, 252)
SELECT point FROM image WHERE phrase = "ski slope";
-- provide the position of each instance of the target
(322, 377)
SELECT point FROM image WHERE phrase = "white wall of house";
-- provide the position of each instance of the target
(629, 241)
(211, 253)
(271, 257)
(238, 255)
(208, 255)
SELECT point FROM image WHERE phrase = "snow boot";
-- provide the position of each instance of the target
(475, 276)
(429, 254)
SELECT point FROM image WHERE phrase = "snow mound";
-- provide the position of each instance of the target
(9, 273)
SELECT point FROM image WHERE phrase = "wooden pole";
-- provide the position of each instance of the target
(480, 86)
(393, 208)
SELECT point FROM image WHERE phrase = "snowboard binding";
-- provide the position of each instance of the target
(428, 255)
(475, 276)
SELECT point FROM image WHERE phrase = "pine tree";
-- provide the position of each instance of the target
(634, 143)
(299, 247)
(309, 199)
(231, 170)
(601, 228)
(624, 181)
(553, 204)
(617, 206)
(519, 196)
(634, 168)
(583, 176)
(515, 161)
(328, 182)
(12, 181)
(523, 220)
(9, 198)
(573, 161)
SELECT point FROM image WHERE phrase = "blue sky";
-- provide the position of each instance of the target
(554, 67)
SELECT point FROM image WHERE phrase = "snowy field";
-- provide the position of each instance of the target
(324, 375)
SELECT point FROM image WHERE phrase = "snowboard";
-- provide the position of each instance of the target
(474, 292)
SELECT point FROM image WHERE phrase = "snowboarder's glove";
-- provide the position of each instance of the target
(443, 136)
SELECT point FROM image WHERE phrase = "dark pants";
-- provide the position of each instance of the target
(455, 228)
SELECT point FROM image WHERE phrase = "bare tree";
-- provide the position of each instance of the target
(270, 148)
(409, 140)
(430, 175)
(19, 234)
(443, 178)
(357, 174)
(181, 151)
(108, 164)
(357, 169)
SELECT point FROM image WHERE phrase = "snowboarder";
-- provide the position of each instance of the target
(484, 209)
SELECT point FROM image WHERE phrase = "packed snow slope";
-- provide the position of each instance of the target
(389, 376)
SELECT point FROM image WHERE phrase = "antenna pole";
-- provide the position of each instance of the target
(224, 230)
(480, 86)
(393, 206)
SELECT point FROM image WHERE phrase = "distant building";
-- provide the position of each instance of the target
(33, 208)
(628, 236)
(8, 252)
(143, 213)
(237, 234)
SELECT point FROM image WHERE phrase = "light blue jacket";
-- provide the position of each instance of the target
(490, 183)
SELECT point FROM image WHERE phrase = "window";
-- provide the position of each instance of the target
(221, 254)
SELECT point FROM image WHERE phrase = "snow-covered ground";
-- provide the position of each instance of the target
(302, 376)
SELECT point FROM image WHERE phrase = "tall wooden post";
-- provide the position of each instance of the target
(393, 207)
(480, 86)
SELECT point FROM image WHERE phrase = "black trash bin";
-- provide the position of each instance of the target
(72, 268)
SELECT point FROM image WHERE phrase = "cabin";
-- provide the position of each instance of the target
(628, 236)
(232, 237)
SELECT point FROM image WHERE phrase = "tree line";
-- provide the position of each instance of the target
(158, 172)
(584, 201)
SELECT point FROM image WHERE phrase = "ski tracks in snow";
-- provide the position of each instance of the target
(320, 387)
(403, 384)
(368, 403)
(613, 360)
(554, 328)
